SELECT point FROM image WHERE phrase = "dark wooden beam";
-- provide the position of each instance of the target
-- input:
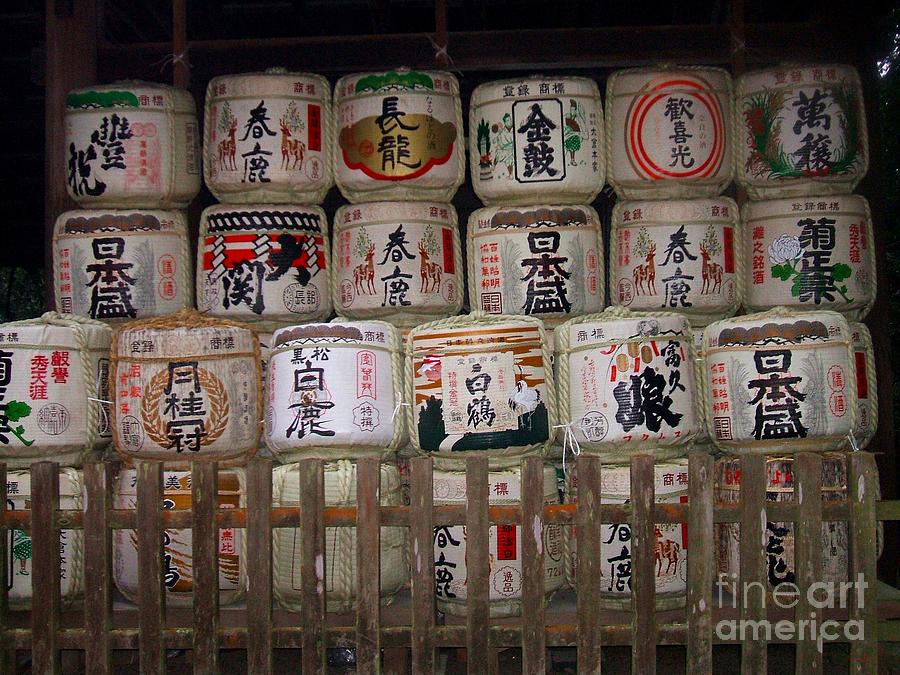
(71, 29)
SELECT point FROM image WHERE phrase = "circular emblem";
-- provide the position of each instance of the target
(313, 169)
(728, 290)
(366, 148)
(53, 419)
(166, 265)
(837, 403)
(553, 542)
(448, 291)
(347, 293)
(675, 129)
(507, 581)
(594, 426)
(131, 432)
(301, 299)
(625, 289)
(167, 288)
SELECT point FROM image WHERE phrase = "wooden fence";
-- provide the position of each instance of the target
(259, 628)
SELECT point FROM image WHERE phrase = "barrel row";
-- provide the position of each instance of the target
(280, 137)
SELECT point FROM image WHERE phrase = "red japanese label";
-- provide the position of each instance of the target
(728, 236)
(447, 240)
(315, 128)
(506, 542)
(862, 381)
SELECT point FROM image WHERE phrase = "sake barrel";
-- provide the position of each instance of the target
(20, 568)
(132, 144)
(340, 562)
(187, 389)
(810, 253)
(677, 256)
(866, 385)
(53, 385)
(267, 137)
(399, 136)
(537, 140)
(801, 131)
(780, 381)
(178, 564)
(117, 265)
(505, 574)
(333, 390)
(670, 551)
(397, 261)
(627, 383)
(669, 132)
(542, 261)
(480, 385)
(264, 262)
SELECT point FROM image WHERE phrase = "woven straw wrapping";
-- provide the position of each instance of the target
(609, 366)
(148, 156)
(178, 575)
(187, 388)
(283, 113)
(646, 155)
(800, 130)
(512, 254)
(657, 258)
(116, 265)
(515, 354)
(866, 385)
(745, 357)
(504, 167)
(71, 549)
(368, 164)
(339, 566)
(53, 373)
(670, 486)
(785, 237)
(377, 242)
(334, 391)
(504, 547)
(264, 263)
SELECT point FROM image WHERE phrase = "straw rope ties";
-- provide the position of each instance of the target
(570, 443)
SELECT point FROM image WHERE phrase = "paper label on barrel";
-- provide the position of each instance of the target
(108, 269)
(404, 265)
(122, 150)
(681, 266)
(19, 545)
(801, 123)
(261, 263)
(177, 566)
(670, 126)
(323, 394)
(537, 131)
(275, 138)
(540, 262)
(398, 127)
(632, 392)
(780, 382)
(810, 253)
(480, 388)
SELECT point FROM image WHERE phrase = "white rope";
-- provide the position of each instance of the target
(570, 443)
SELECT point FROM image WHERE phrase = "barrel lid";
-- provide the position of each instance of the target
(238, 217)
(276, 81)
(511, 217)
(401, 79)
(131, 94)
(376, 333)
(504, 486)
(534, 86)
(619, 324)
(93, 221)
(629, 81)
(18, 484)
(55, 329)
(777, 326)
(789, 75)
(840, 204)
(675, 211)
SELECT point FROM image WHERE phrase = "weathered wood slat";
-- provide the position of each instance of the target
(421, 534)
(368, 566)
(807, 550)
(45, 567)
(259, 563)
(312, 565)
(589, 565)
(98, 487)
(533, 639)
(151, 598)
(701, 554)
(477, 565)
(863, 477)
(205, 545)
(643, 565)
(753, 562)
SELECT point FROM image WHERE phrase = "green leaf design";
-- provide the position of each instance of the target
(795, 288)
(840, 272)
(783, 272)
(16, 410)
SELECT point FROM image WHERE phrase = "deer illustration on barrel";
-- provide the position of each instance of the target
(429, 271)
(646, 273)
(712, 273)
(228, 148)
(292, 149)
(364, 274)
